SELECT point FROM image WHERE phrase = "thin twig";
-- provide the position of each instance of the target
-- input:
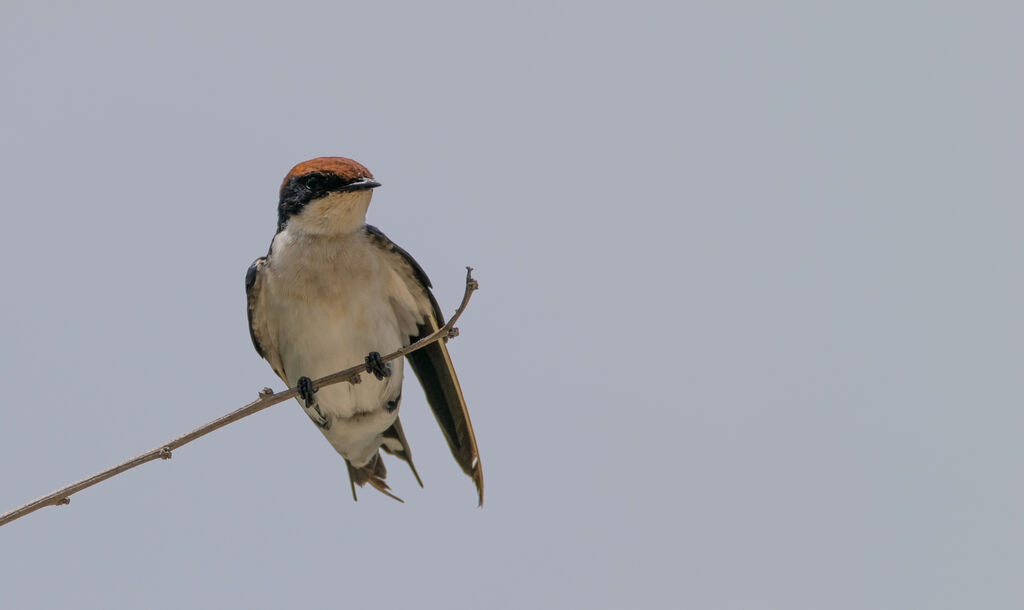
(267, 398)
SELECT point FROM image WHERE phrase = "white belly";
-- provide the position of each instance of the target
(323, 331)
(329, 303)
(317, 339)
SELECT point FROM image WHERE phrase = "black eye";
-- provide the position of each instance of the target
(312, 182)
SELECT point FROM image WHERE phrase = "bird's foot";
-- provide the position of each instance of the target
(377, 367)
(306, 391)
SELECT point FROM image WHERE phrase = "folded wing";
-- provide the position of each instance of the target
(433, 367)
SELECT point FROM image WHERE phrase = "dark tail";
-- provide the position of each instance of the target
(373, 473)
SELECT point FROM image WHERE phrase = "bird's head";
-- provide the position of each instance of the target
(326, 195)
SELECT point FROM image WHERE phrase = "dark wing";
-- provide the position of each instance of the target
(396, 445)
(258, 330)
(433, 368)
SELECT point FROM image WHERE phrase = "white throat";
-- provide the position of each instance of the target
(335, 214)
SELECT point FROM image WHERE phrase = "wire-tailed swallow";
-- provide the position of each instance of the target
(334, 292)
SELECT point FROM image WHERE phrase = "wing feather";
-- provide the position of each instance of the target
(258, 331)
(433, 367)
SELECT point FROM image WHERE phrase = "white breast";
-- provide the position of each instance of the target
(330, 302)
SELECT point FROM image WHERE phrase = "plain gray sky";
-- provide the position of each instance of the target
(749, 332)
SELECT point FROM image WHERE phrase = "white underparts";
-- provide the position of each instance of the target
(330, 297)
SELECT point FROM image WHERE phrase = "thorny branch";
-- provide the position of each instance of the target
(267, 398)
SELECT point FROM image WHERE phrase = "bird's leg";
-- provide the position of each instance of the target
(377, 367)
(306, 391)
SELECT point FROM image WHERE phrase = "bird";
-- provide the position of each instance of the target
(334, 292)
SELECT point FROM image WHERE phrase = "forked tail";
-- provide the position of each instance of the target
(373, 473)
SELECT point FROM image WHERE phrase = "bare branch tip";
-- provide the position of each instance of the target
(267, 398)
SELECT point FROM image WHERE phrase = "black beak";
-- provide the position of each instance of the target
(361, 185)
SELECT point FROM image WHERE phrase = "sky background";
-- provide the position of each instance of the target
(749, 332)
